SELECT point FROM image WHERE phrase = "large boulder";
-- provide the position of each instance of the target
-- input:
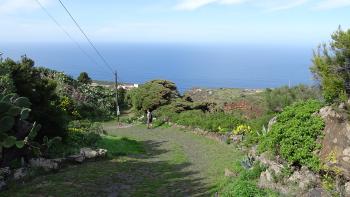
(304, 178)
(89, 153)
(265, 159)
(317, 192)
(347, 189)
(20, 173)
(335, 152)
(267, 180)
(46, 164)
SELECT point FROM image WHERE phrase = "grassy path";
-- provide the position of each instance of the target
(185, 164)
(173, 163)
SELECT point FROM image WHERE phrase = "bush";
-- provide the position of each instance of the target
(295, 133)
(79, 139)
(209, 121)
(279, 98)
(28, 82)
(84, 133)
(83, 101)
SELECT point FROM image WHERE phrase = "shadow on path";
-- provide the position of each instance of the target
(148, 175)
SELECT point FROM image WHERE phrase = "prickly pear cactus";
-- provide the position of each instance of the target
(13, 109)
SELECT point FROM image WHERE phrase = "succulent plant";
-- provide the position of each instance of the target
(263, 131)
(13, 110)
(248, 162)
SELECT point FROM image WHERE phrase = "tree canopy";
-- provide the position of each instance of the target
(331, 67)
(84, 78)
(153, 94)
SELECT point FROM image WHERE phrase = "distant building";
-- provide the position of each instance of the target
(128, 86)
(121, 86)
(102, 85)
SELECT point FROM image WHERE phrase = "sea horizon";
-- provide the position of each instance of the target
(251, 66)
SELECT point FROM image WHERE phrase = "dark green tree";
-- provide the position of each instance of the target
(29, 82)
(153, 94)
(84, 78)
(331, 67)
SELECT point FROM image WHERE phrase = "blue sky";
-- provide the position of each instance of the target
(296, 22)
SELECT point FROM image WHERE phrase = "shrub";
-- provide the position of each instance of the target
(295, 133)
(83, 101)
(207, 121)
(279, 98)
(29, 82)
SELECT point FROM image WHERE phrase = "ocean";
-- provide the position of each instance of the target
(188, 65)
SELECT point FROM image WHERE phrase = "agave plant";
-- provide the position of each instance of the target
(263, 131)
(248, 162)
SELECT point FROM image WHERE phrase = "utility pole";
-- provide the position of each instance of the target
(1, 57)
(116, 95)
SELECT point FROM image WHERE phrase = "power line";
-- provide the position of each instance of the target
(87, 38)
(66, 32)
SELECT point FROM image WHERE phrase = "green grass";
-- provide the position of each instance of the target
(144, 162)
(118, 146)
(84, 180)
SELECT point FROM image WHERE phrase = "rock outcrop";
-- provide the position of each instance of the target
(304, 178)
(335, 152)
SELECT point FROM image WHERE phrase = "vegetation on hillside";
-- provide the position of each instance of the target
(50, 114)
(51, 100)
(295, 135)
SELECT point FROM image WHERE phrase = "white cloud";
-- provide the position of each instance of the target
(267, 5)
(18, 6)
(284, 5)
(195, 4)
(331, 4)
